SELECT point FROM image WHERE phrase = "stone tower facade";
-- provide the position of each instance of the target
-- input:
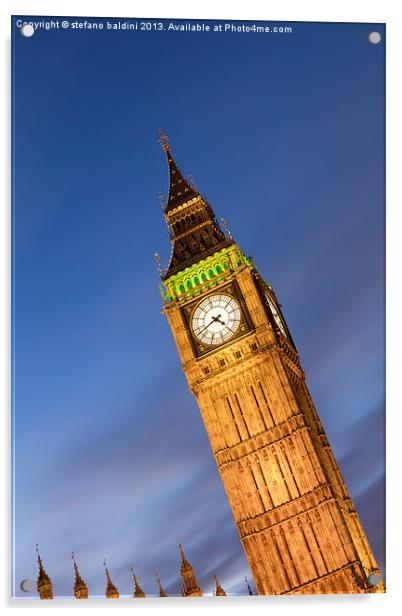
(297, 524)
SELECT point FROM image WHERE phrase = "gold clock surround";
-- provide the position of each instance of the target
(245, 326)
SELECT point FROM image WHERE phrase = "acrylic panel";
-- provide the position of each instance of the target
(198, 307)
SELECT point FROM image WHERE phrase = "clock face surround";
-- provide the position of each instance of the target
(216, 319)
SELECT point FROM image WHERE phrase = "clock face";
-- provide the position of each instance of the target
(216, 319)
(275, 314)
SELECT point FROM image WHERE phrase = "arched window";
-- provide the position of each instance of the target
(203, 277)
(225, 265)
(211, 273)
(189, 285)
(181, 289)
(218, 269)
(196, 281)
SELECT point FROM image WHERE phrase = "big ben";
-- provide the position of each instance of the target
(297, 523)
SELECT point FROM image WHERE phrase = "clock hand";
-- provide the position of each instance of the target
(213, 321)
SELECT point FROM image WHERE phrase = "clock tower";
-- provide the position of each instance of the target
(296, 521)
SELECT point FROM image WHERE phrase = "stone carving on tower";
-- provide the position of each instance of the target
(298, 526)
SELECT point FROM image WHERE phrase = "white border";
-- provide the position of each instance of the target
(387, 11)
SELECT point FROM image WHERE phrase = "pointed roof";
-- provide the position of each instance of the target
(43, 576)
(162, 592)
(185, 565)
(193, 228)
(79, 584)
(111, 590)
(43, 582)
(138, 592)
(180, 190)
(219, 592)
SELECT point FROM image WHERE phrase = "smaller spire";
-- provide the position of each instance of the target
(219, 592)
(40, 564)
(111, 590)
(162, 592)
(250, 592)
(80, 587)
(191, 588)
(43, 583)
(163, 140)
(184, 562)
(138, 592)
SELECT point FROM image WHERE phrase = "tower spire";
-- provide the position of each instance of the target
(80, 587)
(163, 140)
(219, 592)
(191, 588)
(138, 592)
(162, 592)
(43, 583)
(180, 190)
(111, 590)
(184, 562)
(194, 231)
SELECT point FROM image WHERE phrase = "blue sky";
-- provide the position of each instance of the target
(284, 135)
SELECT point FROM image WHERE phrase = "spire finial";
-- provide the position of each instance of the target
(138, 592)
(111, 590)
(74, 563)
(41, 569)
(192, 181)
(157, 258)
(43, 583)
(163, 140)
(183, 556)
(162, 592)
(227, 230)
(80, 587)
(162, 200)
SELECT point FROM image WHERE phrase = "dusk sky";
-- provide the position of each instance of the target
(284, 135)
